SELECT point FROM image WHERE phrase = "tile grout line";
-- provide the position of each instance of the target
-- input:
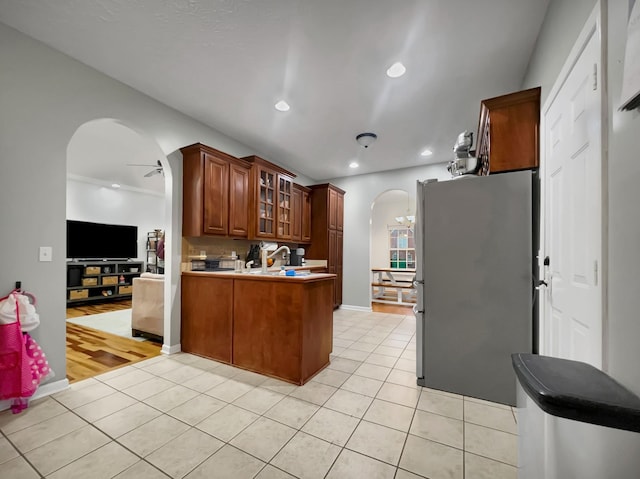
(351, 374)
(20, 454)
(114, 439)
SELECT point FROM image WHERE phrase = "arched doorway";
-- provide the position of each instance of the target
(104, 187)
(392, 252)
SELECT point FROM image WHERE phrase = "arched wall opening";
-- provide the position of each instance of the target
(101, 153)
(389, 209)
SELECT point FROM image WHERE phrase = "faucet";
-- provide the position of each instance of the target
(265, 255)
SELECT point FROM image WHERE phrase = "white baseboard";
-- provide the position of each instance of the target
(42, 391)
(166, 349)
(51, 388)
(356, 308)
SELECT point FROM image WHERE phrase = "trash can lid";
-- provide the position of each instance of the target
(577, 390)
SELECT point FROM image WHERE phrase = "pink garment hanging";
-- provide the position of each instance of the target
(22, 364)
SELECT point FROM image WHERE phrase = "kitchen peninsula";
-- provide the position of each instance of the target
(280, 326)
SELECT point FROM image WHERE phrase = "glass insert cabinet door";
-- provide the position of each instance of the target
(266, 207)
(284, 207)
(402, 248)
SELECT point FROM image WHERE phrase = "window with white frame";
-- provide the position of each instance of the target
(402, 247)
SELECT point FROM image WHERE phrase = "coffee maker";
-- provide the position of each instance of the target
(296, 258)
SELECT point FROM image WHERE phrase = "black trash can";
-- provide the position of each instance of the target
(574, 421)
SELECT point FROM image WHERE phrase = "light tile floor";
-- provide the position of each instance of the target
(184, 416)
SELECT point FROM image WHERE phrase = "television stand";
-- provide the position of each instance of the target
(101, 280)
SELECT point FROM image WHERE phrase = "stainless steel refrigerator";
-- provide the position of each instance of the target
(475, 278)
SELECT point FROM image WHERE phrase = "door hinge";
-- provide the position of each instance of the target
(595, 76)
(595, 273)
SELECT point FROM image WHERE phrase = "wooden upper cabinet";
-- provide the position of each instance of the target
(285, 214)
(306, 216)
(333, 209)
(340, 212)
(215, 193)
(508, 132)
(296, 212)
(301, 214)
(271, 204)
(239, 195)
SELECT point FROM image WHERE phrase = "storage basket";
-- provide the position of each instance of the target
(124, 289)
(78, 294)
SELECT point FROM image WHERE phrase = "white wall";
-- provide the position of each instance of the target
(559, 33)
(562, 24)
(624, 215)
(89, 201)
(361, 191)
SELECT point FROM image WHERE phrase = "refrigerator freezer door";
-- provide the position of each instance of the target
(477, 267)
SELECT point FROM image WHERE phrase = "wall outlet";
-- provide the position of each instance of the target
(46, 253)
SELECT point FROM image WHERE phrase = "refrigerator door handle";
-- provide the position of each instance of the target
(419, 349)
(419, 306)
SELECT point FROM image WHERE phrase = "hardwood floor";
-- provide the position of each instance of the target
(91, 352)
(391, 309)
(97, 308)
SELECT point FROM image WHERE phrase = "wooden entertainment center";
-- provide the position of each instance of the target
(101, 280)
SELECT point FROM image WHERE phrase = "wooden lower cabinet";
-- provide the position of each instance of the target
(207, 317)
(278, 327)
(289, 334)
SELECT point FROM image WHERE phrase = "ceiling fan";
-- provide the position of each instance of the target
(157, 169)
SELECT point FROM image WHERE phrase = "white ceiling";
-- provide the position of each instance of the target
(227, 62)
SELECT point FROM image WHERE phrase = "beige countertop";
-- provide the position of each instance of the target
(272, 275)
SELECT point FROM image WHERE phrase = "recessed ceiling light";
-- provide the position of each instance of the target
(426, 152)
(353, 164)
(396, 70)
(282, 106)
(115, 185)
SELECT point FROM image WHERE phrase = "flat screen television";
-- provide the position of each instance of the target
(87, 240)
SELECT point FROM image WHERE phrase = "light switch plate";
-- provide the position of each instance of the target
(46, 253)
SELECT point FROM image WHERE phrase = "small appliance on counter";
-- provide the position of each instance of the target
(296, 258)
(254, 255)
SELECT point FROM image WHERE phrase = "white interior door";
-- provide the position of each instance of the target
(572, 323)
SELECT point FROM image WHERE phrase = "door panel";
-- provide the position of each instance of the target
(573, 309)
(296, 214)
(216, 191)
(238, 201)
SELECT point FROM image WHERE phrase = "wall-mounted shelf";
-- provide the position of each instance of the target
(154, 263)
